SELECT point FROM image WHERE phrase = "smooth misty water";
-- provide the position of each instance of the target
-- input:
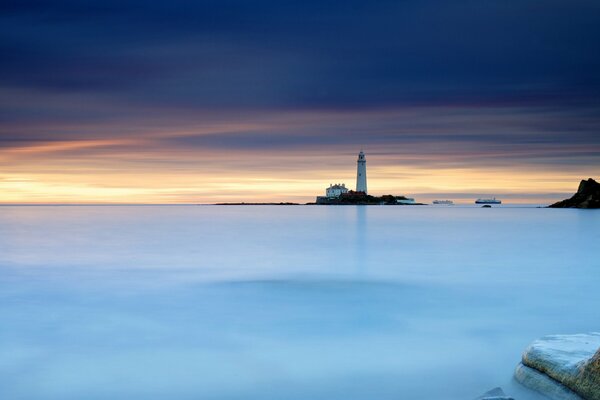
(258, 302)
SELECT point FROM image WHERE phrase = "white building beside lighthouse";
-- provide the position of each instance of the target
(334, 191)
(361, 173)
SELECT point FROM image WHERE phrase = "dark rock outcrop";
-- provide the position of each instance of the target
(587, 196)
(563, 366)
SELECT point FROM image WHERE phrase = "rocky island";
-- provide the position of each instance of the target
(361, 198)
(587, 196)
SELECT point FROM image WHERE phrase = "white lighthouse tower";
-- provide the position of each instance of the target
(361, 173)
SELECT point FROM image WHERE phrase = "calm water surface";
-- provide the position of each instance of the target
(268, 302)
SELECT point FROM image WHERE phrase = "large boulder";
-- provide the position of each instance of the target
(561, 365)
(587, 196)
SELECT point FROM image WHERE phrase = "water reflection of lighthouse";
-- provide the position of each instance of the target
(360, 245)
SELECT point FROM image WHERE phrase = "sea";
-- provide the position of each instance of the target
(287, 302)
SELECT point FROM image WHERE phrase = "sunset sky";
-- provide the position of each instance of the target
(210, 101)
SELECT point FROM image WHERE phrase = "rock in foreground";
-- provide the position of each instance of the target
(561, 366)
(587, 196)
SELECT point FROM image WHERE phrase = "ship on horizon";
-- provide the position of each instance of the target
(444, 202)
(488, 201)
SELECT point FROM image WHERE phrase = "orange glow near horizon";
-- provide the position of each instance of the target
(223, 162)
(66, 184)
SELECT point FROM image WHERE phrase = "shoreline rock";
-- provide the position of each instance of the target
(587, 196)
(558, 364)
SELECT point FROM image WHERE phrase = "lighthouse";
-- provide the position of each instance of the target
(361, 173)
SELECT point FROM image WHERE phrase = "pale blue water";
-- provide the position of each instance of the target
(267, 302)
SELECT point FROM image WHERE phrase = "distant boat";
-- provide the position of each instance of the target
(488, 201)
(447, 202)
(406, 201)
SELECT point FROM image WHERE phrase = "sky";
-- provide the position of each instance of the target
(215, 101)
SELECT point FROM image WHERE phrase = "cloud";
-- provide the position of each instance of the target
(317, 54)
